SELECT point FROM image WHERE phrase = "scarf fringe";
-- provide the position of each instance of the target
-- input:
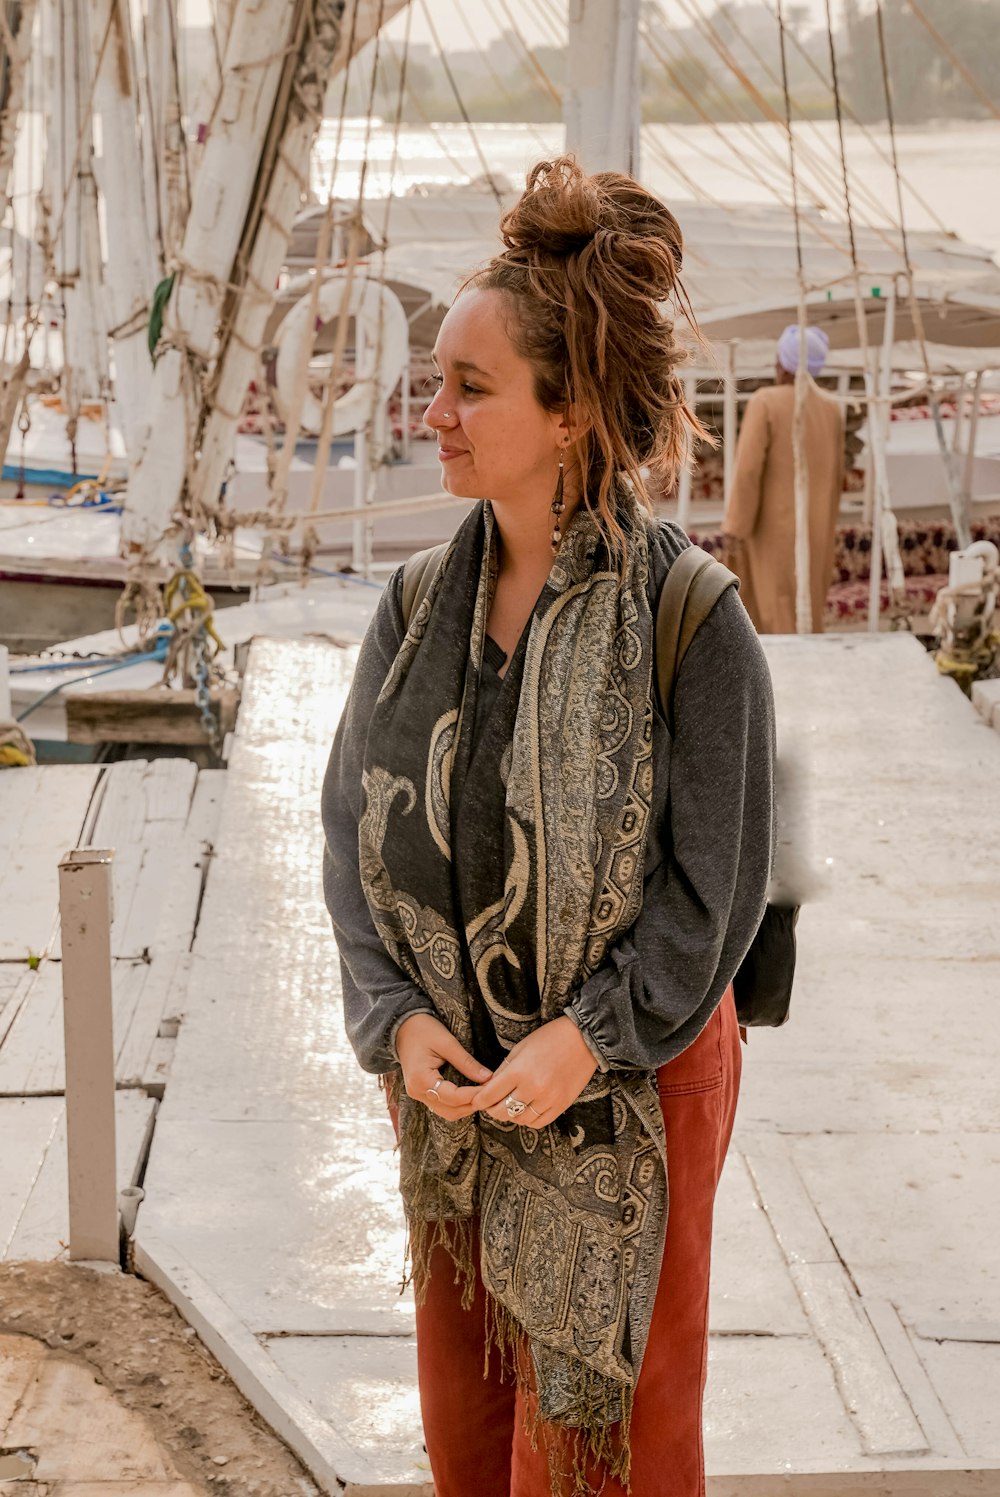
(581, 1450)
(458, 1238)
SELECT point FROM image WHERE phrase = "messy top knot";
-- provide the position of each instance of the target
(589, 262)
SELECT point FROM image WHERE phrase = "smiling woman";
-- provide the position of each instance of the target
(540, 894)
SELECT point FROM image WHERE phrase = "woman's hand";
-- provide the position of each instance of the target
(424, 1045)
(547, 1072)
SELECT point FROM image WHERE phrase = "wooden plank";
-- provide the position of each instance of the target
(868, 1384)
(160, 714)
(160, 998)
(162, 853)
(43, 1220)
(32, 1058)
(293, 1417)
(31, 1121)
(15, 980)
(42, 812)
(165, 986)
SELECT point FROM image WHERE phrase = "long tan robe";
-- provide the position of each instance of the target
(760, 513)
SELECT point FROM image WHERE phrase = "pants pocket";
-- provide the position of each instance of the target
(698, 1068)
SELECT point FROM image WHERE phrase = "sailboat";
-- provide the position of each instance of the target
(188, 306)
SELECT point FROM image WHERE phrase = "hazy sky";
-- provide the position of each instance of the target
(479, 13)
(527, 14)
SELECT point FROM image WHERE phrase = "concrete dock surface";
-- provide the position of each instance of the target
(856, 1303)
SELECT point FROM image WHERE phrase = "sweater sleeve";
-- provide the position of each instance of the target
(705, 893)
(377, 994)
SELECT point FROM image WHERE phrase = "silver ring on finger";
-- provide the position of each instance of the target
(514, 1106)
(534, 1110)
(432, 1091)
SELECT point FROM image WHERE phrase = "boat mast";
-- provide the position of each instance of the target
(601, 108)
(132, 268)
(251, 178)
(72, 203)
(15, 43)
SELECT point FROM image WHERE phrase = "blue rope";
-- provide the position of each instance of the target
(289, 561)
(158, 654)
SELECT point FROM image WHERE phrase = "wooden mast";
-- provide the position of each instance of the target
(251, 178)
(601, 107)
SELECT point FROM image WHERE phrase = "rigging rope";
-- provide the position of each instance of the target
(953, 58)
(824, 171)
(803, 580)
(960, 518)
(487, 173)
(885, 535)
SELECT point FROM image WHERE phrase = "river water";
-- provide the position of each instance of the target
(951, 170)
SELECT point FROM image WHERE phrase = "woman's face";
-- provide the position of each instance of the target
(495, 441)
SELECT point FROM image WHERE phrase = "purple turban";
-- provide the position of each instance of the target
(817, 347)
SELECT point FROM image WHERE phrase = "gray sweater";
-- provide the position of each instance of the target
(708, 855)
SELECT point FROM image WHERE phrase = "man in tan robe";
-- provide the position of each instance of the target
(760, 514)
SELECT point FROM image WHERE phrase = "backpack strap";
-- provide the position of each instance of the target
(691, 589)
(419, 571)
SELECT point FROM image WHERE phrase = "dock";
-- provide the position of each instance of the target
(855, 1331)
(161, 817)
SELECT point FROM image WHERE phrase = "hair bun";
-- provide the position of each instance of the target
(562, 212)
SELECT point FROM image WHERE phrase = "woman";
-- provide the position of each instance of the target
(540, 900)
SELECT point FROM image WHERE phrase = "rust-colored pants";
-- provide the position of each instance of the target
(474, 1426)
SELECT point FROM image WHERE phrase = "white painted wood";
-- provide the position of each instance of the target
(160, 993)
(759, 1299)
(366, 1388)
(304, 1230)
(41, 1229)
(41, 814)
(26, 1128)
(601, 102)
(920, 1391)
(292, 1417)
(32, 1056)
(132, 268)
(263, 1033)
(868, 1385)
(15, 980)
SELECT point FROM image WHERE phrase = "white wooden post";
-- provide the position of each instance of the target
(685, 480)
(6, 711)
(729, 422)
(85, 914)
(601, 106)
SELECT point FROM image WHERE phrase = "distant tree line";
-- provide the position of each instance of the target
(685, 79)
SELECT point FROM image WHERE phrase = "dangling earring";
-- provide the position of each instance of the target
(558, 505)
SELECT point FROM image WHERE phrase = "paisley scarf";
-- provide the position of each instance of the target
(498, 872)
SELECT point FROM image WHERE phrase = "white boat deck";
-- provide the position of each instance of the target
(161, 819)
(855, 1321)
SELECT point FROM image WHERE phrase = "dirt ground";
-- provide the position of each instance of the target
(153, 1364)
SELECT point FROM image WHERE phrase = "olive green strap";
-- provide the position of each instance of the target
(419, 572)
(693, 586)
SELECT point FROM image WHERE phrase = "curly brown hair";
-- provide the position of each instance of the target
(589, 263)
